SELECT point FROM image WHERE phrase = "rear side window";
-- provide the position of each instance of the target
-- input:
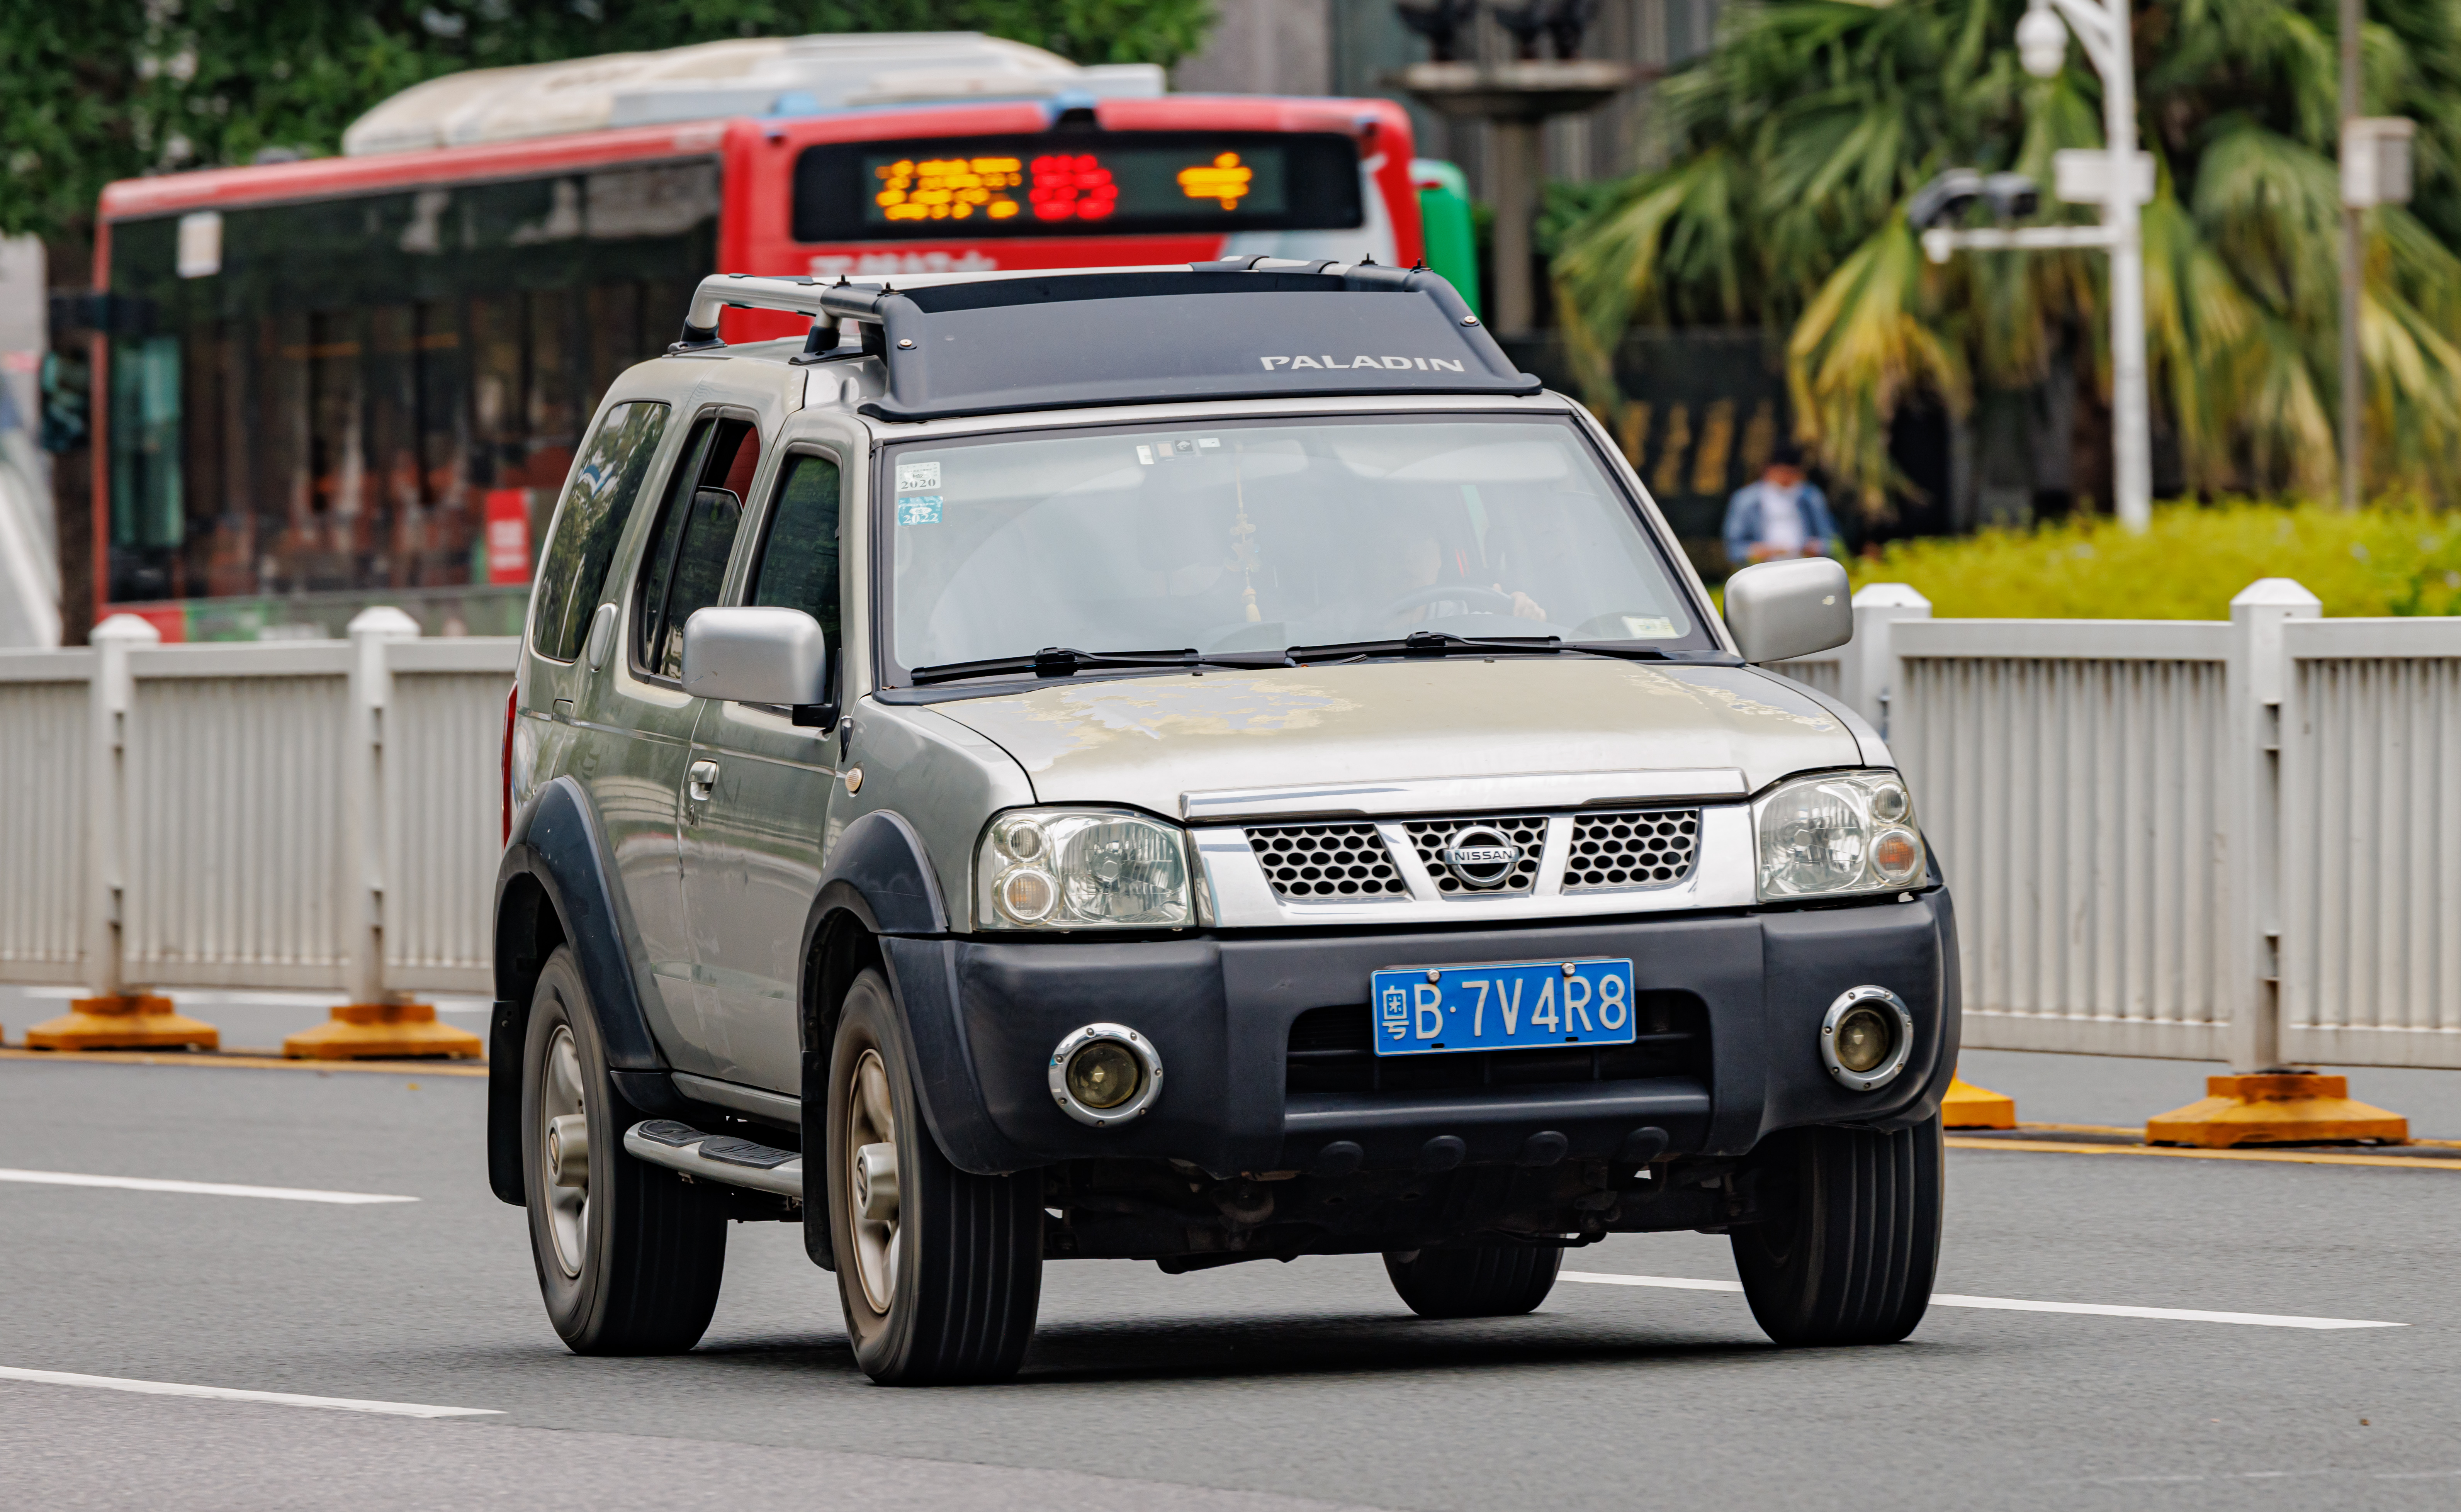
(799, 560)
(686, 565)
(606, 480)
(701, 570)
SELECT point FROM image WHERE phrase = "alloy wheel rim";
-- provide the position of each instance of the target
(568, 1207)
(871, 1118)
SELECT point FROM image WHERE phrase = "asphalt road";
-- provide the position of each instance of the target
(1252, 1386)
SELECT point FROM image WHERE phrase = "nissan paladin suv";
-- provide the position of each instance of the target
(1198, 764)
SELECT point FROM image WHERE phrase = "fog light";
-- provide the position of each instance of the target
(1105, 1073)
(1867, 1038)
(1863, 1039)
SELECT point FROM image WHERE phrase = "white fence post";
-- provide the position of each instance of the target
(372, 1022)
(110, 1016)
(2252, 819)
(106, 798)
(1869, 676)
(2262, 1101)
(363, 858)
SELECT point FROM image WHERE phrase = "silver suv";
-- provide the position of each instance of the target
(1200, 764)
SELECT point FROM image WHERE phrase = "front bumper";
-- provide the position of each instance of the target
(985, 1017)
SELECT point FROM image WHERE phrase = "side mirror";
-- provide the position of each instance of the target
(760, 656)
(1778, 609)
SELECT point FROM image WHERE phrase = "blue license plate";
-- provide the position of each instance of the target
(1522, 1005)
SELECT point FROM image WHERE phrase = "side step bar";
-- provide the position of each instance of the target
(727, 1159)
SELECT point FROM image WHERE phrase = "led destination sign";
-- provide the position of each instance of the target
(1075, 184)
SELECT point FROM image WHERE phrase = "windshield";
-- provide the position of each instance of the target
(1254, 536)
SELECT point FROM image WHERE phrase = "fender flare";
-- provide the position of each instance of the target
(556, 844)
(880, 876)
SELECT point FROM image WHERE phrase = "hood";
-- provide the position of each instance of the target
(1144, 741)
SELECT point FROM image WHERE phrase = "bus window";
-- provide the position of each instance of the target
(328, 407)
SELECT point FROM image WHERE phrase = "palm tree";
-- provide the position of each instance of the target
(1797, 140)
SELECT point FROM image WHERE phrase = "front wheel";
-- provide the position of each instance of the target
(1495, 1280)
(629, 1256)
(1853, 1237)
(939, 1271)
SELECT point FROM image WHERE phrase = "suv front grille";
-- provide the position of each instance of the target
(1652, 848)
(1327, 863)
(1528, 831)
(1332, 1050)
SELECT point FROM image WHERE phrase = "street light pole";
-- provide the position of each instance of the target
(2106, 32)
(2353, 421)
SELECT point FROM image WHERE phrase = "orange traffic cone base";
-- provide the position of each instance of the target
(143, 1022)
(2276, 1108)
(1968, 1106)
(383, 1031)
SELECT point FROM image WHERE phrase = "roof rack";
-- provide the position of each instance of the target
(1238, 327)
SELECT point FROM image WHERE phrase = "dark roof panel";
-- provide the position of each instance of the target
(1216, 332)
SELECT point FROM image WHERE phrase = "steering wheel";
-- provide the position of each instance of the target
(1475, 598)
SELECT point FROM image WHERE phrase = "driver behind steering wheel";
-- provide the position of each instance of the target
(1421, 565)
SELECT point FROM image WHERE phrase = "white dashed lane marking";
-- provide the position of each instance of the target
(144, 1184)
(2098, 1309)
(230, 1393)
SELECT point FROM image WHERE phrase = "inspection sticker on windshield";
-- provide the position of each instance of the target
(915, 477)
(923, 511)
(1424, 1010)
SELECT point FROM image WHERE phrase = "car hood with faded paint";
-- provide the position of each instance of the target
(1147, 741)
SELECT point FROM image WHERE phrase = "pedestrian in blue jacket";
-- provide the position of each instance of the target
(1783, 515)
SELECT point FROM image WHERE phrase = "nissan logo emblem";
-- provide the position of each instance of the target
(1480, 856)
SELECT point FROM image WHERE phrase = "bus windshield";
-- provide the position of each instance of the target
(1236, 536)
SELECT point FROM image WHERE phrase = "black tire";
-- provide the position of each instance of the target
(1852, 1240)
(1497, 1281)
(653, 1246)
(959, 1292)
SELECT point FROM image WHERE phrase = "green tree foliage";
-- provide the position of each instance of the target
(93, 92)
(1797, 140)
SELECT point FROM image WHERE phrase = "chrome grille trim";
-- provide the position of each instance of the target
(1528, 831)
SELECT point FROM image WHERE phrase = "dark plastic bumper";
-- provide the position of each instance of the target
(985, 1017)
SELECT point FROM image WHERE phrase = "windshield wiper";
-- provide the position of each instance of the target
(1066, 661)
(1438, 643)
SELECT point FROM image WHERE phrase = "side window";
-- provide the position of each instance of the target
(701, 570)
(606, 480)
(798, 560)
(686, 561)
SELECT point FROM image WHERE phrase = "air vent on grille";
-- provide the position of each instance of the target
(1650, 849)
(1525, 832)
(1328, 862)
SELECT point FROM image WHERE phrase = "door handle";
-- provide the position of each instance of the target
(699, 779)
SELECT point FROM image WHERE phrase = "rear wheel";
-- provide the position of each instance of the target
(1489, 1282)
(629, 1256)
(939, 1271)
(1853, 1238)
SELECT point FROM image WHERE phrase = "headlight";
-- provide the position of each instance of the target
(1844, 832)
(1079, 870)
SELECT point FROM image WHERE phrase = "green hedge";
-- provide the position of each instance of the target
(2374, 561)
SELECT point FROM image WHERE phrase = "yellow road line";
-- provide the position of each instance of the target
(134, 1058)
(2286, 1156)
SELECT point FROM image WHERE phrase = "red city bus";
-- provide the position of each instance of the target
(361, 379)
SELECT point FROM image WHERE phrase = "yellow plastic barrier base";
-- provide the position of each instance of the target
(382, 1031)
(1968, 1106)
(2275, 1108)
(143, 1022)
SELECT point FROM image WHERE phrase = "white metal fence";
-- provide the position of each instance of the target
(315, 816)
(2229, 839)
(2233, 839)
